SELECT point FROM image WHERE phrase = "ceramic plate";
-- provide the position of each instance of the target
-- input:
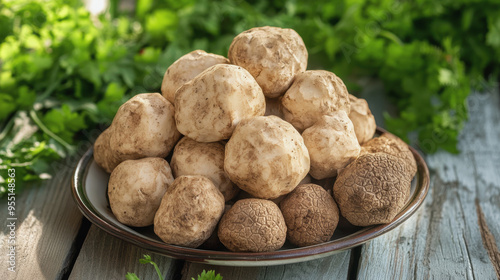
(89, 186)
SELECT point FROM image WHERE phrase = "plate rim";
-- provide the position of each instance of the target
(293, 255)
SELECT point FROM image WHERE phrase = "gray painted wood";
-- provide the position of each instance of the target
(444, 239)
(104, 256)
(47, 225)
(333, 267)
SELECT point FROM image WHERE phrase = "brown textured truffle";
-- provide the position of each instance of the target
(373, 189)
(311, 215)
(253, 225)
(391, 145)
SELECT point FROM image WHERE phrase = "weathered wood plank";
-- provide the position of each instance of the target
(333, 267)
(47, 225)
(104, 256)
(444, 240)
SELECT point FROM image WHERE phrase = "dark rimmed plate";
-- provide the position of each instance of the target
(89, 186)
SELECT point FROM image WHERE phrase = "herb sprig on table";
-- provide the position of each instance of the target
(64, 72)
(205, 275)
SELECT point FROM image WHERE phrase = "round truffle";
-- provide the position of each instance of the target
(332, 144)
(208, 108)
(185, 69)
(144, 126)
(253, 225)
(205, 159)
(391, 145)
(135, 190)
(373, 189)
(189, 211)
(362, 119)
(272, 55)
(314, 93)
(266, 157)
(311, 215)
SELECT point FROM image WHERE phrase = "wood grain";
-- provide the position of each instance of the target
(443, 240)
(333, 267)
(47, 225)
(488, 240)
(104, 256)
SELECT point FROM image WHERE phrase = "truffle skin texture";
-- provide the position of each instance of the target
(189, 211)
(332, 145)
(266, 157)
(373, 189)
(272, 55)
(103, 155)
(144, 126)
(253, 225)
(313, 94)
(205, 159)
(136, 188)
(362, 119)
(185, 69)
(311, 215)
(208, 108)
(391, 145)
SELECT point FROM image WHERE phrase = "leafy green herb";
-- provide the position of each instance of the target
(145, 260)
(131, 276)
(210, 275)
(62, 72)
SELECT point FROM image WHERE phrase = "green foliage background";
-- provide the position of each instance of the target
(64, 72)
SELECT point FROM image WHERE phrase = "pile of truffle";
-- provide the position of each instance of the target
(256, 127)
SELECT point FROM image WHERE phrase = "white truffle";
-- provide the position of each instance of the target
(144, 126)
(206, 159)
(189, 211)
(208, 108)
(272, 55)
(135, 190)
(332, 144)
(185, 69)
(313, 94)
(362, 119)
(266, 157)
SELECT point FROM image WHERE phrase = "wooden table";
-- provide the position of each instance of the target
(454, 235)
